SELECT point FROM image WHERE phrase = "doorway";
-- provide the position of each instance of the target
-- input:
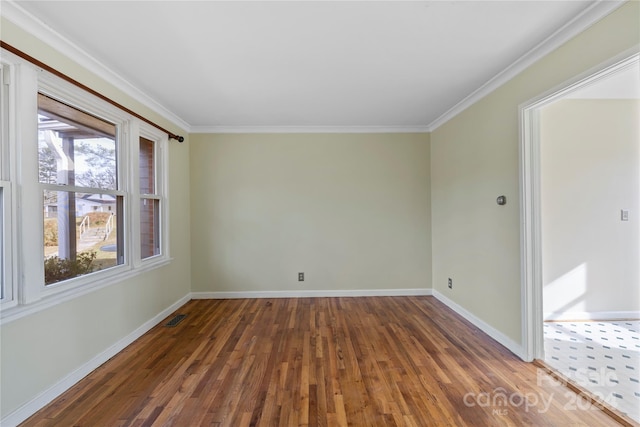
(569, 254)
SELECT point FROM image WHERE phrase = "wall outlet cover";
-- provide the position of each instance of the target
(624, 215)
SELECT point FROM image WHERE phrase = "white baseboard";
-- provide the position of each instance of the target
(501, 338)
(38, 402)
(594, 315)
(312, 294)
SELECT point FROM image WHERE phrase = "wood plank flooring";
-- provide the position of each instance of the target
(373, 361)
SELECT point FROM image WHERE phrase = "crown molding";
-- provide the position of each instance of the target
(580, 23)
(34, 26)
(309, 129)
(14, 13)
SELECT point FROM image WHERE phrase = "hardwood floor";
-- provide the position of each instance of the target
(374, 361)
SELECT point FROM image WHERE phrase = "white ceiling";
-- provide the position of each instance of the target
(326, 64)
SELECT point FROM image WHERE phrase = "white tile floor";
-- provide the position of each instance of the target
(601, 356)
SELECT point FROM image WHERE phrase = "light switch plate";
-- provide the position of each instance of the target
(624, 215)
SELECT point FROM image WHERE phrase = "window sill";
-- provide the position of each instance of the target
(51, 297)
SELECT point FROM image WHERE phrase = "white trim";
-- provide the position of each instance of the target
(49, 300)
(29, 23)
(530, 255)
(7, 176)
(28, 201)
(501, 338)
(6, 247)
(595, 315)
(530, 216)
(312, 294)
(42, 399)
(309, 129)
(580, 23)
(625, 59)
(498, 336)
(76, 189)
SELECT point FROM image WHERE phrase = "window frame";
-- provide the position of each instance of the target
(30, 294)
(75, 189)
(8, 284)
(61, 91)
(160, 145)
(7, 293)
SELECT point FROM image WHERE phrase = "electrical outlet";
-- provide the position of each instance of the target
(300, 277)
(450, 283)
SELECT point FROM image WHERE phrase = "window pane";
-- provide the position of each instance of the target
(81, 234)
(147, 170)
(149, 227)
(75, 148)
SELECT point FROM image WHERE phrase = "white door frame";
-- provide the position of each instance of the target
(530, 216)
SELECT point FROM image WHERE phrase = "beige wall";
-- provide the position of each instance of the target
(41, 349)
(590, 158)
(351, 211)
(474, 159)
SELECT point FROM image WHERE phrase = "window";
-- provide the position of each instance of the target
(149, 201)
(78, 173)
(91, 182)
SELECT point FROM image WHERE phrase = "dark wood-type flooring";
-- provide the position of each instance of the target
(372, 361)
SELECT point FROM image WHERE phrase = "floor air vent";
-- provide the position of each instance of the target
(176, 319)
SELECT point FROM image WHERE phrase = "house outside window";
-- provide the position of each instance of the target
(149, 201)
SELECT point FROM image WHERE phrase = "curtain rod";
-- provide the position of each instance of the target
(63, 76)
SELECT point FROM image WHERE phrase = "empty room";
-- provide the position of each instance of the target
(332, 213)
